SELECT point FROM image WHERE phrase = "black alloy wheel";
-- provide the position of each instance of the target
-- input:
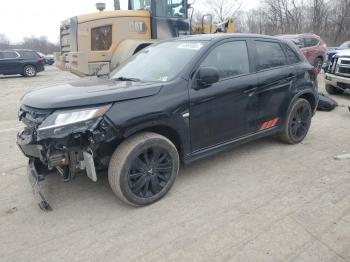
(300, 122)
(150, 172)
(143, 168)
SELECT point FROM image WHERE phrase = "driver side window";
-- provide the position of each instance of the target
(230, 59)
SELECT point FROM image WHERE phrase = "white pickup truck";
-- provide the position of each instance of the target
(338, 73)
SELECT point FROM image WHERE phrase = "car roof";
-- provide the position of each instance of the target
(298, 35)
(220, 36)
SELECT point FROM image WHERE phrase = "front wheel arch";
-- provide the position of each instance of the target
(164, 130)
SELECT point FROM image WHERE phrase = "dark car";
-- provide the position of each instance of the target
(49, 59)
(332, 52)
(312, 46)
(179, 100)
(24, 62)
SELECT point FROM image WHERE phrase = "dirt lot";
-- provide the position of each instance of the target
(264, 201)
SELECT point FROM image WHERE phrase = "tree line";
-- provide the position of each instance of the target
(40, 44)
(329, 19)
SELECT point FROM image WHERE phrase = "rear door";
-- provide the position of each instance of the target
(276, 77)
(223, 111)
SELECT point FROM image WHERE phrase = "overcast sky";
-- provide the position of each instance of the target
(20, 18)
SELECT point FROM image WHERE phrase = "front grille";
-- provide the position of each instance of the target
(332, 65)
(345, 62)
(344, 70)
(343, 85)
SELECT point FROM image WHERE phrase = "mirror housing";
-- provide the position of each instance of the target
(206, 76)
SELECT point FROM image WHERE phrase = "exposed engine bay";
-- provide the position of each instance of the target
(82, 146)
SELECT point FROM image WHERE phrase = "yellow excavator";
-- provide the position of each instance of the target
(96, 43)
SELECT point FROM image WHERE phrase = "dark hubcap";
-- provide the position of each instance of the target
(300, 122)
(150, 172)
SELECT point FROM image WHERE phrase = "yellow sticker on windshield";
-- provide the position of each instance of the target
(192, 46)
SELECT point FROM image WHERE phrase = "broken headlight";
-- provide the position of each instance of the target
(63, 122)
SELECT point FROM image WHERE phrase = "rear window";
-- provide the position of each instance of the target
(9, 55)
(298, 41)
(292, 56)
(28, 54)
(270, 55)
(310, 41)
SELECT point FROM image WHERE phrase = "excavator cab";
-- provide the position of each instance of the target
(97, 43)
(169, 18)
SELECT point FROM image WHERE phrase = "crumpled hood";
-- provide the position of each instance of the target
(88, 92)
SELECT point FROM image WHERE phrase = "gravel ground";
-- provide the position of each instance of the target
(263, 201)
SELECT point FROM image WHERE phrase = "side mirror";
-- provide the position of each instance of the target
(206, 76)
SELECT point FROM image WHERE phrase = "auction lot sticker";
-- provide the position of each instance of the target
(192, 46)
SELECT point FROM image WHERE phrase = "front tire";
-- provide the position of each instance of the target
(298, 122)
(143, 168)
(332, 90)
(29, 71)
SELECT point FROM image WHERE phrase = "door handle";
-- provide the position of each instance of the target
(250, 90)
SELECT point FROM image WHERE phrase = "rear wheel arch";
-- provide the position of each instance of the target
(310, 98)
(26, 66)
(30, 64)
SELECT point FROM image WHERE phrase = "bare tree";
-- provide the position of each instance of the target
(223, 9)
(4, 42)
(328, 18)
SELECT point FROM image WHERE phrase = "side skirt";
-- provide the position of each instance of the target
(209, 151)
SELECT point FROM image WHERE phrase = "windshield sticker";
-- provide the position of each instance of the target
(162, 78)
(191, 46)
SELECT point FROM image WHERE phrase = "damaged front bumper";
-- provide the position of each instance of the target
(34, 179)
(72, 152)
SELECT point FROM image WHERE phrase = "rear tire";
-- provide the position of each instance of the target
(318, 63)
(143, 168)
(298, 122)
(29, 71)
(332, 90)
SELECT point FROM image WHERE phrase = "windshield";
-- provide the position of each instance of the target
(345, 45)
(160, 62)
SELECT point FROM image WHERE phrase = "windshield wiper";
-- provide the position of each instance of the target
(122, 78)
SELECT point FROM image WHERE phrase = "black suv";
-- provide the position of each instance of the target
(20, 61)
(179, 100)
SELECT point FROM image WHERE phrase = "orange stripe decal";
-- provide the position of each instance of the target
(275, 122)
(269, 124)
(263, 126)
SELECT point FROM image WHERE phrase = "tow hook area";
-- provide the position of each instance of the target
(35, 179)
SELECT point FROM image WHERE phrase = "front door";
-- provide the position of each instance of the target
(225, 110)
(9, 62)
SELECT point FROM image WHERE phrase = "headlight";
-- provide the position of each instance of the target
(62, 122)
